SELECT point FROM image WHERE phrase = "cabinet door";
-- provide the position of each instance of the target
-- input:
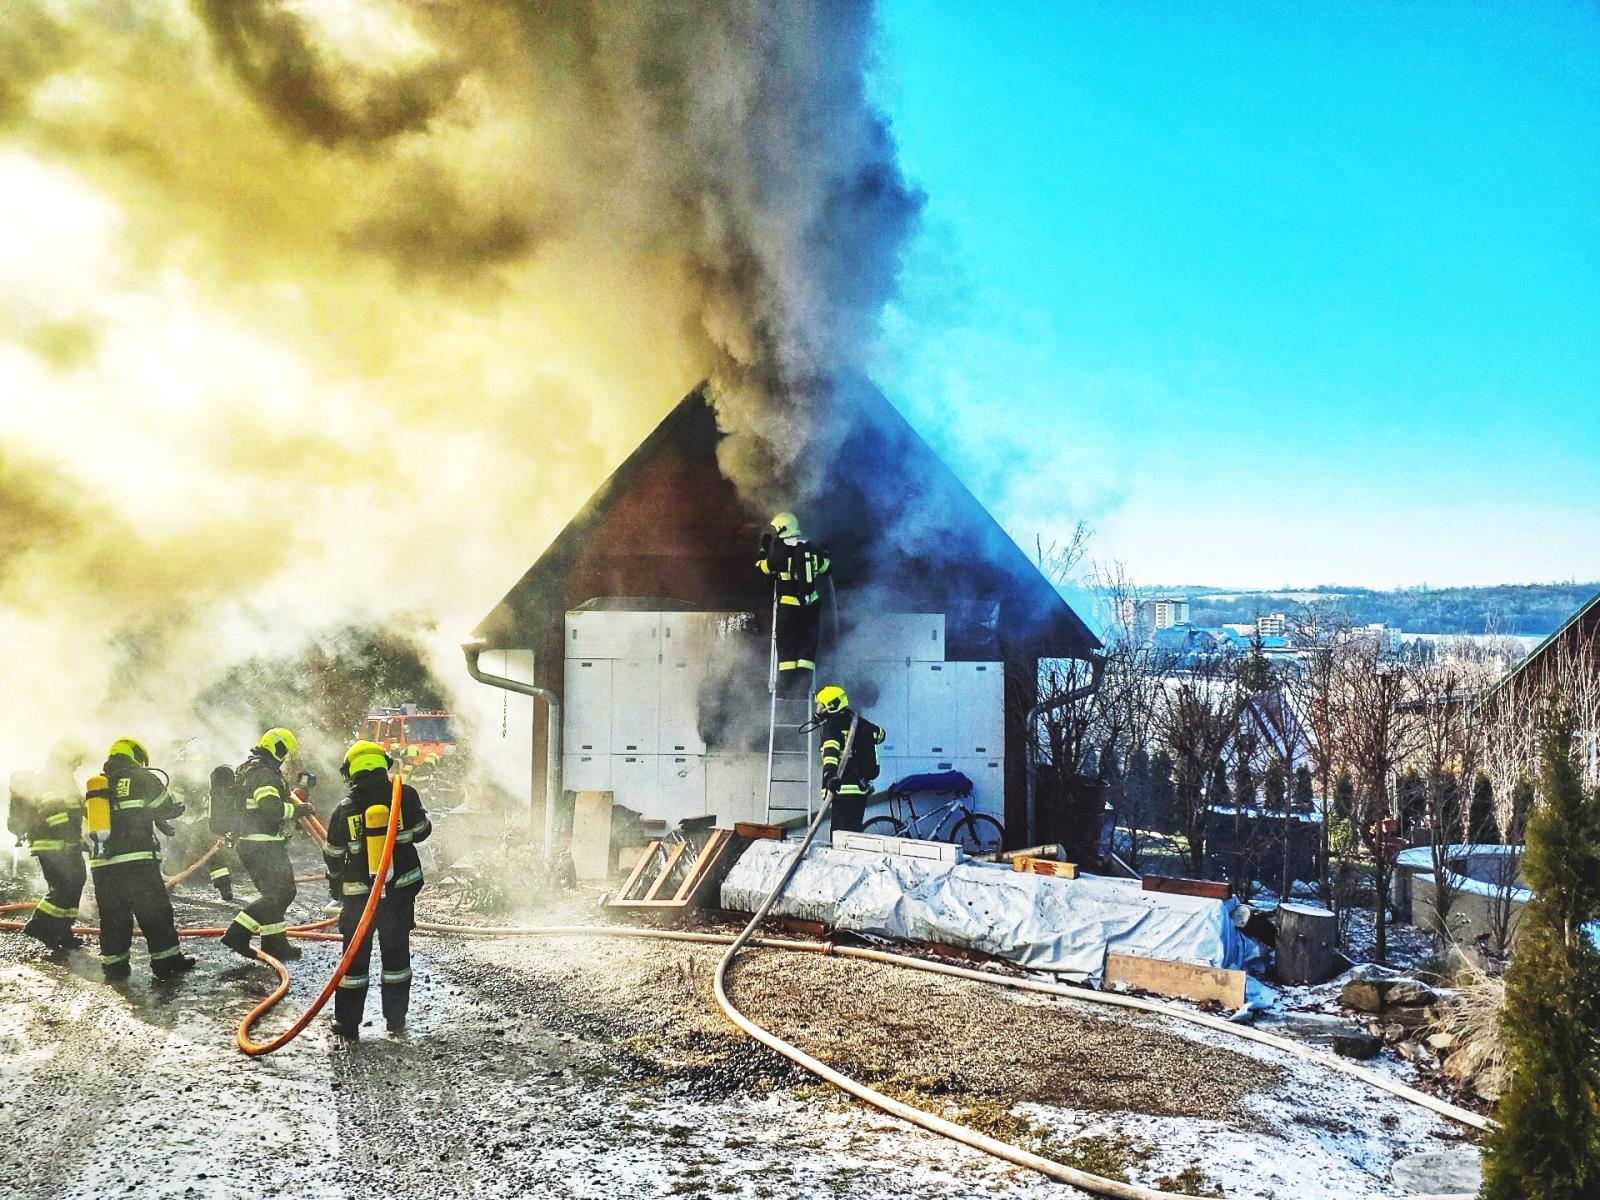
(679, 731)
(735, 788)
(889, 708)
(586, 715)
(586, 772)
(635, 706)
(613, 635)
(680, 786)
(633, 783)
(933, 721)
(988, 775)
(981, 702)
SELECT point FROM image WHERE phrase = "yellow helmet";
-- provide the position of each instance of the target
(127, 747)
(364, 756)
(413, 751)
(787, 525)
(279, 743)
(832, 699)
(430, 759)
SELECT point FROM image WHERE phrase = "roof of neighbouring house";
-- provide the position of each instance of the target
(1587, 616)
(667, 523)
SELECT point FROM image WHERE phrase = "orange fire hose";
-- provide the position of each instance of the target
(195, 865)
(254, 1048)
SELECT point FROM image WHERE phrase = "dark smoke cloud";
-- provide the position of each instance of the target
(270, 50)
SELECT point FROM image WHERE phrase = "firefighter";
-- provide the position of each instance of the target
(51, 804)
(262, 845)
(133, 800)
(358, 825)
(796, 568)
(849, 782)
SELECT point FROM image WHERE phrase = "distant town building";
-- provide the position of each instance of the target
(1277, 625)
(1168, 611)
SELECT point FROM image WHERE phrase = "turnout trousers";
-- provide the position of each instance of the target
(134, 891)
(392, 923)
(64, 877)
(849, 808)
(798, 628)
(267, 864)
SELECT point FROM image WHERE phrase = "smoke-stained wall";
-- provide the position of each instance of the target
(314, 315)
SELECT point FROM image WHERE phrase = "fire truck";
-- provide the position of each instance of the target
(398, 729)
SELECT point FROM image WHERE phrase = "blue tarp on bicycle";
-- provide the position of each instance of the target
(949, 783)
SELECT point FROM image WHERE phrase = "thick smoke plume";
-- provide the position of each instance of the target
(314, 314)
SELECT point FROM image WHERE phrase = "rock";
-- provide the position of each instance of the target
(1416, 1053)
(1363, 995)
(1488, 1084)
(1408, 993)
(1394, 1033)
(1441, 1043)
(1354, 1043)
(1440, 1171)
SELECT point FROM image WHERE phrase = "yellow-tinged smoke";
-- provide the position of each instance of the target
(320, 312)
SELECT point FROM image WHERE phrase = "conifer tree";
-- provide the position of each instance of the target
(1480, 811)
(1547, 1143)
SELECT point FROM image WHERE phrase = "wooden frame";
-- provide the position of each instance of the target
(706, 871)
(1166, 977)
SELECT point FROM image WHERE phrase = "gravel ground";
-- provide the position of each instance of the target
(582, 1067)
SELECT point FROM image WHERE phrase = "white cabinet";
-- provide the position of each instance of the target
(988, 775)
(931, 704)
(586, 715)
(736, 788)
(633, 783)
(981, 701)
(909, 637)
(890, 679)
(603, 634)
(679, 727)
(635, 706)
(680, 787)
(586, 772)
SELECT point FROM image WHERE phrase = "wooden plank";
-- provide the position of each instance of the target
(591, 835)
(661, 880)
(1165, 977)
(1044, 866)
(710, 854)
(1173, 885)
(756, 831)
(639, 869)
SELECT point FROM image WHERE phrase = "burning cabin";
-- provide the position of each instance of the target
(647, 617)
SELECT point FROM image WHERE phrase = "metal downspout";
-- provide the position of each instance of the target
(1097, 667)
(552, 777)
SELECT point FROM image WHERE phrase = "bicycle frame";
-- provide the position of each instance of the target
(914, 827)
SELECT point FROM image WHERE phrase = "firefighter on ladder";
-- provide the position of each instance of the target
(122, 808)
(796, 568)
(263, 847)
(848, 781)
(47, 810)
(356, 832)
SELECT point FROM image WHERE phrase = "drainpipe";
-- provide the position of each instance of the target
(1097, 667)
(552, 778)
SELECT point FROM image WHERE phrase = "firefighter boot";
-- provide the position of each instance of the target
(279, 946)
(237, 938)
(172, 967)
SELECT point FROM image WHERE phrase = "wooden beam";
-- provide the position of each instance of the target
(755, 831)
(710, 855)
(1044, 866)
(639, 869)
(1165, 977)
(1173, 885)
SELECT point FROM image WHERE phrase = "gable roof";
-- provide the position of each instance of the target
(1589, 611)
(667, 525)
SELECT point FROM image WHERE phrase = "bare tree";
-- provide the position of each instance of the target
(1315, 692)
(1196, 717)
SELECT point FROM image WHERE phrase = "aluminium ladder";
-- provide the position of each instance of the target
(791, 749)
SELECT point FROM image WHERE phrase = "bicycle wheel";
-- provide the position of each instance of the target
(884, 827)
(978, 833)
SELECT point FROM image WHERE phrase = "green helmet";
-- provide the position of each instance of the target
(279, 743)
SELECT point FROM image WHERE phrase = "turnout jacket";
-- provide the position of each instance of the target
(52, 807)
(346, 851)
(798, 566)
(856, 775)
(139, 798)
(267, 807)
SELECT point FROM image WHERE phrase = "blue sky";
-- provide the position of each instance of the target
(1269, 294)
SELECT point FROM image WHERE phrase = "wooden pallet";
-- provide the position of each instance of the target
(656, 882)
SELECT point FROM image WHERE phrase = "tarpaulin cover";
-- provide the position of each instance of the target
(934, 781)
(1064, 926)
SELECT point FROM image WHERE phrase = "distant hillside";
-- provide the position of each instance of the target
(1526, 609)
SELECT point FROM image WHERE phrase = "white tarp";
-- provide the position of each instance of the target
(1059, 925)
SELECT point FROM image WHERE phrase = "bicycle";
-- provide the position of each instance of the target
(974, 832)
